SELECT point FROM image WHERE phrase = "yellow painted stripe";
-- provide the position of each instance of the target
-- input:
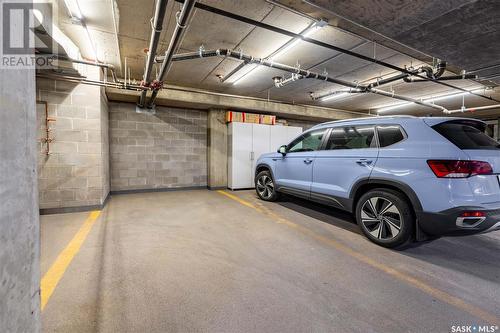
(241, 201)
(413, 281)
(56, 271)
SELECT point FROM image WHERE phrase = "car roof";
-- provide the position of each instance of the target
(384, 119)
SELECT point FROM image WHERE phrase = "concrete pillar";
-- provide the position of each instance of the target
(217, 149)
(19, 225)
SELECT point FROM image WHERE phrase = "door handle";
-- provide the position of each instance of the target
(364, 161)
(308, 161)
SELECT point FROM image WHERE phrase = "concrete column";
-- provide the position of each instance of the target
(217, 149)
(19, 225)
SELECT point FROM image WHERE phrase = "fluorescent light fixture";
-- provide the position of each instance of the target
(431, 99)
(76, 15)
(234, 79)
(66, 43)
(383, 109)
(293, 42)
(334, 96)
(73, 9)
(92, 46)
(245, 71)
(446, 96)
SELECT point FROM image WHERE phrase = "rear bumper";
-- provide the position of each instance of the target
(445, 222)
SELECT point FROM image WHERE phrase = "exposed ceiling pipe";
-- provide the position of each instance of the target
(84, 80)
(90, 63)
(445, 78)
(269, 27)
(182, 20)
(196, 55)
(439, 70)
(377, 83)
(156, 28)
(409, 99)
(308, 74)
(479, 108)
(281, 82)
(388, 80)
(337, 94)
(201, 53)
(374, 84)
(287, 68)
(431, 73)
(323, 77)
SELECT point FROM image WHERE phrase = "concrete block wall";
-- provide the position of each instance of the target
(75, 174)
(165, 150)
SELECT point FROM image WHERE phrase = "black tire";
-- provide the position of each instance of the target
(386, 218)
(264, 186)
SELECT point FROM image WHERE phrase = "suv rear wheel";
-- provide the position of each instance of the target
(264, 185)
(385, 218)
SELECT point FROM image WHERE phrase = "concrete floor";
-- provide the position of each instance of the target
(193, 261)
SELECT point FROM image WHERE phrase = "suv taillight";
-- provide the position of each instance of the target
(459, 169)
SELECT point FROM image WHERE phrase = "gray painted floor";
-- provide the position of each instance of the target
(199, 261)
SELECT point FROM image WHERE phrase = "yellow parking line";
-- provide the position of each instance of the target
(421, 285)
(56, 271)
(241, 201)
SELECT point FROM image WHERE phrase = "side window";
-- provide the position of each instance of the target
(353, 137)
(309, 141)
(466, 135)
(389, 135)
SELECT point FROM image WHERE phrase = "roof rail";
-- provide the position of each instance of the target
(363, 118)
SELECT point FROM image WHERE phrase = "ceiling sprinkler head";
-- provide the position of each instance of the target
(277, 79)
(220, 77)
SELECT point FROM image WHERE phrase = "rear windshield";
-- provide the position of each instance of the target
(465, 135)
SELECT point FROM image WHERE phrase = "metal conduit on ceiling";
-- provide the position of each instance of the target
(269, 27)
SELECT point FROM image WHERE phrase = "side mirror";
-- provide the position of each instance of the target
(282, 150)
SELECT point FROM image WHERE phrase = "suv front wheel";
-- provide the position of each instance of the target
(264, 185)
(385, 218)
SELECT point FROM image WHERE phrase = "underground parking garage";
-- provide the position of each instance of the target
(249, 166)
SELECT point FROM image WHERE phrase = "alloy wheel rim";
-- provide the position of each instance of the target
(381, 218)
(265, 186)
